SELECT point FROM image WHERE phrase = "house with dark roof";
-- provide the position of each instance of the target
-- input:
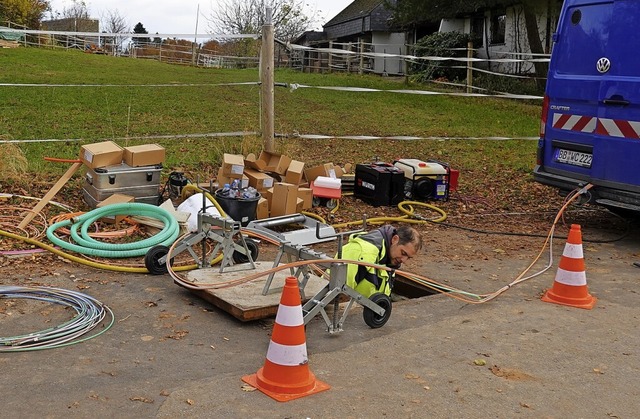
(363, 26)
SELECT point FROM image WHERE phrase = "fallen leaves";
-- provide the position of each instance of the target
(140, 399)
(178, 334)
(509, 373)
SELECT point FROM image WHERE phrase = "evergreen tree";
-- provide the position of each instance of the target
(139, 29)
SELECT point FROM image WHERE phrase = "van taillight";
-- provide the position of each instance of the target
(543, 118)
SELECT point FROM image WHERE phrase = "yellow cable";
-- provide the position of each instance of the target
(84, 261)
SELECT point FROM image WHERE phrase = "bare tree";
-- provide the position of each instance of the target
(77, 10)
(112, 21)
(248, 17)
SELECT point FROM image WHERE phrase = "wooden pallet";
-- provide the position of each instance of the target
(245, 301)
(8, 44)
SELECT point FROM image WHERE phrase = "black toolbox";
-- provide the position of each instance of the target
(379, 184)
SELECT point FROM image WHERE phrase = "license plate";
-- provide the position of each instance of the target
(575, 158)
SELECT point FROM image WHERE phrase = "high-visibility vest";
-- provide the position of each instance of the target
(366, 247)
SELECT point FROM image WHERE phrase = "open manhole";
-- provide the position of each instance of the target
(405, 288)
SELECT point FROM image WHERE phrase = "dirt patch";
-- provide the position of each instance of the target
(510, 374)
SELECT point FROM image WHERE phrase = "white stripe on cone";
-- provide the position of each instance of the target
(573, 251)
(571, 278)
(289, 316)
(287, 355)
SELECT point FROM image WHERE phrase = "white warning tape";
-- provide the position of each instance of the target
(134, 35)
(129, 85)
(277, 135)
(339, 51)
(496, 73)
(295, 86)
(401, 137)
(145, 137)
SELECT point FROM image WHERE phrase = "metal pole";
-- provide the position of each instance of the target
(267, 83)
(195, 39)
(469, 67)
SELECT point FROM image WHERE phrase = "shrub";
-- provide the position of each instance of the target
(440, 44)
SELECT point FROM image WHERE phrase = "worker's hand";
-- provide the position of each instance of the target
(392, 278)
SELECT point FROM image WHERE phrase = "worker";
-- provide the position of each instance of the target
(386, 246)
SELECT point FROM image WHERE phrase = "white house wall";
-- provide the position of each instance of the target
(389, 43)
(515, 38)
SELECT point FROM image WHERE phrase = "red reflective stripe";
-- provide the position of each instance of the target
(600, 128)
(626, 129)
(579, 126)
(561, 121)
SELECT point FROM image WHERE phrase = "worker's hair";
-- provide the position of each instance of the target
(409, 234)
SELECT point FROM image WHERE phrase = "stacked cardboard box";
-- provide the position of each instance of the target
(111, 169)
(282, 181)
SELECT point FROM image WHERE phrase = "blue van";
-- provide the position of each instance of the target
(590, 128)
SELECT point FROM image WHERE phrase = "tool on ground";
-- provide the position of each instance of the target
(224, 231)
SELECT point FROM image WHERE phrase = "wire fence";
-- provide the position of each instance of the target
(235, 51)
(243, 51)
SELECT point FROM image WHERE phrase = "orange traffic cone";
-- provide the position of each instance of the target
(570, 285)
(285, 375)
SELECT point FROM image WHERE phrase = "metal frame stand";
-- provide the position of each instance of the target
(330, 293)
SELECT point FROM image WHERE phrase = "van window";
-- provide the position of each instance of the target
(584, 39)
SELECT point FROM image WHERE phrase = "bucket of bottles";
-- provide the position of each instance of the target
(241, 207)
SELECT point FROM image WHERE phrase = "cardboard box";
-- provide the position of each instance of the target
(144, 155)
(252, 162)
(106, 153)
(276, 163)
(299, 204)
(284, 199)
(269, 162)
(269, 195)
(116, 198)
(221, 179)
(260, 181)
(262, 211)
(232, 165)
(306, 194)
(294, 172)
(323, 170)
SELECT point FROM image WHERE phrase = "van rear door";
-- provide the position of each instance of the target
(573, 89)
(618, 130)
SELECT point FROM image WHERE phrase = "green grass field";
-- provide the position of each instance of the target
(120, 99)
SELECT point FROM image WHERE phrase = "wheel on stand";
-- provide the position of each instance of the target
(152, 260)
(253, 251)
(373, 320)
(332, 203)
(316, 201)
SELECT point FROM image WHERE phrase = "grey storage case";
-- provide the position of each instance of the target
(143, 183)
(123, 176)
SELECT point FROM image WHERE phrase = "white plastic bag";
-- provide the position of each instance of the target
(193, 205)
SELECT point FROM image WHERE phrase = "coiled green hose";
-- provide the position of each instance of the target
(87, 245)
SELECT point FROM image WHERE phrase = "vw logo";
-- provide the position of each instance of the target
(603, 65)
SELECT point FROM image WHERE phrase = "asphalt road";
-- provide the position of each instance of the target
(170, 354)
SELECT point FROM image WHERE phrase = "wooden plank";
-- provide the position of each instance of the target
(49, 196)
(245, 301)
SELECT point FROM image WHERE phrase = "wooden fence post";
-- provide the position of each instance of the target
(266, 81)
